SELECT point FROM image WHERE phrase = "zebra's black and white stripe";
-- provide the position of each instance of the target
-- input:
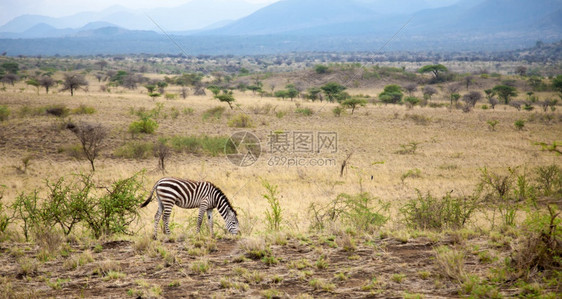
(189, 194)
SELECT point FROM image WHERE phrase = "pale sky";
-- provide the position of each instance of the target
(10, 9)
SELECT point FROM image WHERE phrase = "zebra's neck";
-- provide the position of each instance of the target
(223, 206)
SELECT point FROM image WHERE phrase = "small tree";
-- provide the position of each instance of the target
(162, 151)
(314, 94)
(161, 86)
(472, 97)
(33, 82)
(321, 69)
(453, 90)
(353, 103)
(410, 88)
(331, 89)
(292, 91)
(102, 64)
(281, 94)
(214, 89)
(391, 94)
(73, 81)
(468, 80)
(428, 92)
(91, 139)
(521, 70)
(505, 92)
(46, 82)
(10, 78)
(226, 97)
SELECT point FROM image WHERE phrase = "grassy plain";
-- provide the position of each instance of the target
(451, 149)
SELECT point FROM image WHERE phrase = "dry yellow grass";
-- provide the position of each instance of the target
(453, 146)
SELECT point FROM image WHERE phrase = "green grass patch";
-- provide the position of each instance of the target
(203, 145)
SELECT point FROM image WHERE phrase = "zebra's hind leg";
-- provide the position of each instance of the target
(166, 219)
(210, 221)
(156, 221)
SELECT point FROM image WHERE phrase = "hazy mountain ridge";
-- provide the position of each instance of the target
(316, 25)
(195, 14)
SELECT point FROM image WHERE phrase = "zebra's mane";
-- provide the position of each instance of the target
(226, 198)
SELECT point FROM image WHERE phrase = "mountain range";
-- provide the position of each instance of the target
(294, 25)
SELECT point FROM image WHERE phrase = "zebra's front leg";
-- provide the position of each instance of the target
(210, 219)
(200, 218)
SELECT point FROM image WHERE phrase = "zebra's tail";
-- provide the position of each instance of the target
(149, 199)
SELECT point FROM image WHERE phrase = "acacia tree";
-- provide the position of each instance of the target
(435, 69)
(226, 97)
(353, 103)
(46, 82)
(73, 81)
(33, 82)
(331, 89)
(505, 92)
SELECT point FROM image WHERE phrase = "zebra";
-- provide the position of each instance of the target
(190, 194)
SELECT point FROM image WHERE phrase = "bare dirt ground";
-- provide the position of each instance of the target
(385, 268)
(305, 266)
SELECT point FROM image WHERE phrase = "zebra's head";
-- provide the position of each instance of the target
(232, 222)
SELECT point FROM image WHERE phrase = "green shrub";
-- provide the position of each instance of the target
(71, 203)
(438, 213)
(145, 125)
(408, 148)
(135, 150)
(337, 111)
(240, 121)
(4, 113)
(549, 180)
(499, 192)
(360, 211)
(204, 144)
(492, 124)
(519, 124)
(541, 247)
(272, 215)
(412, 101)
(170, 96)
(215, 113)
(83, 109)
(5, 220)
(26, 208)
(304, 111)
(412, 173)
(117, 209)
